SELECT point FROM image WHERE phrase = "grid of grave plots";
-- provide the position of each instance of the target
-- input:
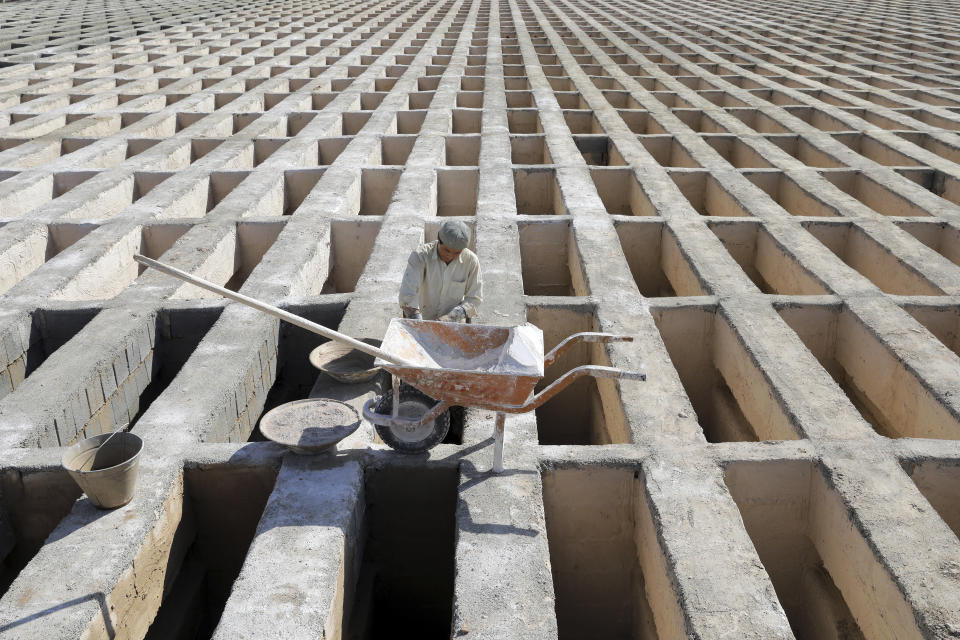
(765, 195)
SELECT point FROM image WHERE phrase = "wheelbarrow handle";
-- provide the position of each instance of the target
(268, 308)
(586, 336)
(563, 382)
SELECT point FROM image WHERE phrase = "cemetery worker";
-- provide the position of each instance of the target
(442, 280)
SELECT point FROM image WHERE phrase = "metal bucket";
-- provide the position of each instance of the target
(107, 475)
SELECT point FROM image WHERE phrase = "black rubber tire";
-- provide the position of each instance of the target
(410, 395)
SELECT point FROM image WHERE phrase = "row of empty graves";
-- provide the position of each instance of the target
(767, 197)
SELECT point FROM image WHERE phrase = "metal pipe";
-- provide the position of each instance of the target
(498, 443)
(272, 310)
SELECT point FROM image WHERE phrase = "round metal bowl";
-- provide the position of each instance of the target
(343, 363)
(310, 426)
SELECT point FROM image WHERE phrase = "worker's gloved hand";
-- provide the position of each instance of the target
(457, 314)
(411, 314)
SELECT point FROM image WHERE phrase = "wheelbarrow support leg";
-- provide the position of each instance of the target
(396, 396)
(498, 443)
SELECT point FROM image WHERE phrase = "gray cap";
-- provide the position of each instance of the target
(454, 234)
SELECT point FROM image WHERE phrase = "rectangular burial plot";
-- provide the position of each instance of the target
(394, 150)
(667, 151)
(48, 331)
(462, 150)
(872, 260)
(621, 192)
(406, 571)
(550, 263)
(351, 242)
(869, 147)
(376, 190)
(765, 261)
(939, 236)
(529, 149)
(706, 194)
(598, 150)
(657, 263)
(297, 185)
(735, 151)
(809, 548)
(177, 334)
(588, 412)
(941, 321)
(221, 508)
(233, 259)
(805, 152)
(872, 194)
(889, 396)
(33, 501)
(457, 191)
(731, 396)
(788, 194)
(30, 249)
(597, 522)
(537, 191)
(939, 482)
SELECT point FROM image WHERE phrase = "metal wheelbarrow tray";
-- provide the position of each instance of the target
(484, 366)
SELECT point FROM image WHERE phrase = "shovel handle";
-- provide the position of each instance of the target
(268, 308)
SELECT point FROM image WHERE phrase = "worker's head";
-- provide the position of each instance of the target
(454, 236)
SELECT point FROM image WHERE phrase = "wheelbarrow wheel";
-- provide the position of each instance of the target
(413, 404)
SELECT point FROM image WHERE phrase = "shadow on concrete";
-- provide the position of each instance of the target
(100, 599)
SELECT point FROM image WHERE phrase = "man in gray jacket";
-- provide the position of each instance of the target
(443, 280)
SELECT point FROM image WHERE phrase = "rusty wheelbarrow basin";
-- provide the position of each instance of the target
(466, 364)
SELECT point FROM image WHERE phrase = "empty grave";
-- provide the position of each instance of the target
(177, 333)
(890, 396)
(872, 194)
(765, 261)
(297, 185)
(870, 147)
(656, 261)
(33, 503)
(221, 507)
(732, 149)
(793, 198)
(942, 321)
(941, 237)
(34, 247)
(621, 192)
(529, 149)
(871, 259)
(537, 191)
(667, 151)
(351, 242)
(706, 194)
(233, 259)
(598, 150)
(376, 190)
(938, 481)
(405, 577)
(588, 412)
(550, 264)
(462, 150)
(457, 191)
(731, 396)
(48, 331)
(820, 567)
(599, 532)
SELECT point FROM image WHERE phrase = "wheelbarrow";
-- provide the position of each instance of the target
(483, 366)
(444, 364)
